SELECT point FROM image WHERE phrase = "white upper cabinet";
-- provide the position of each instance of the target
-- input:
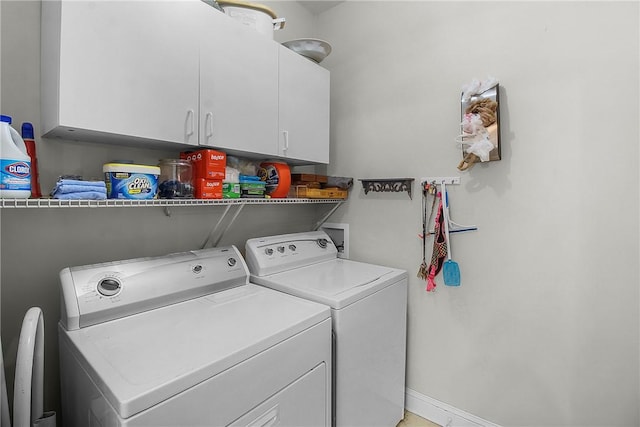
(112, 68)
(238, 87)
(178, 72)
(304, 109)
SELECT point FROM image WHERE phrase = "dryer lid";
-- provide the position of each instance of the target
(139, 361)
(337, 282)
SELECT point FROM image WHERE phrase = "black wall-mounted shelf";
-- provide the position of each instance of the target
(387, 185)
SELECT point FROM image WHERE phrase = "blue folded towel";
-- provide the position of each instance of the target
(78, 189)
(80, 182)
(249, 178)
(67, 188)
(83, 195)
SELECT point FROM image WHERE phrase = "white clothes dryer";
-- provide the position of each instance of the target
(186, 340)
(368, 307)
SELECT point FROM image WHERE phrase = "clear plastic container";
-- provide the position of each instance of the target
(176, 179)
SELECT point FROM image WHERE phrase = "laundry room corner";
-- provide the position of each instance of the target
(544, 326)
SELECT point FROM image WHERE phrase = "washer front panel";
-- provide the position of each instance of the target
(275, 254)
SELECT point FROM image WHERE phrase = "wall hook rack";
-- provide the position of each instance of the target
(448, 180)
(454, 227)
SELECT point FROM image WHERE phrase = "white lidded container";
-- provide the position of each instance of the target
(131, 181)
(15, 163)
(257, 16)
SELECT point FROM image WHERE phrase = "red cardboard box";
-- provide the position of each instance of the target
(207, 164)
(207, 188)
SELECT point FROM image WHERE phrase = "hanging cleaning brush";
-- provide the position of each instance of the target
(427, 188)
(422, 271)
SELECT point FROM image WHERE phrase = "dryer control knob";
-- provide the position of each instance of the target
(109, 287)
(322, 243)
(268, 251)
(231, 262)
(292, 247)
(281, 249)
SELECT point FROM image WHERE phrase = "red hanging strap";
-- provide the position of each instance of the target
(439, 249)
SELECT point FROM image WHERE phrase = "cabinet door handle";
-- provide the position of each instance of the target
(285, 135)
(190, 122)
(208, 124)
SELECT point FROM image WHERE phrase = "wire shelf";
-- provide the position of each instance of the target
(124, 203)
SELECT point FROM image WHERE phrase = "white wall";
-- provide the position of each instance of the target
(544, 329)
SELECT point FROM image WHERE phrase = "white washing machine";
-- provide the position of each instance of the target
(186, 340)
(369, 308)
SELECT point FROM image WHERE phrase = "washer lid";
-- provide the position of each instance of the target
(337, 282)
(144, 359)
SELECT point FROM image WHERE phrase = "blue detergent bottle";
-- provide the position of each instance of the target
(15, 163)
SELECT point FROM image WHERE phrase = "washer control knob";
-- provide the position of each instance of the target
(281, 249)
(109, 287)
(231, 262)
(292, 247)
(268, 251)
(322, 243)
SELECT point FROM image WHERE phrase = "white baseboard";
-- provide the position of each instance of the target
(441, 413)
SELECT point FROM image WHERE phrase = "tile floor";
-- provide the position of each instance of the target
(412, 420)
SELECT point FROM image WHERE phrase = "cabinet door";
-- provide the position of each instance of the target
(239, 88)
(304, 109)
(126, 68)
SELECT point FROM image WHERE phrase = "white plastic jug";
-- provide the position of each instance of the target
(15, 163)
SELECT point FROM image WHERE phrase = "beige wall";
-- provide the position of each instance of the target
(544, 329)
